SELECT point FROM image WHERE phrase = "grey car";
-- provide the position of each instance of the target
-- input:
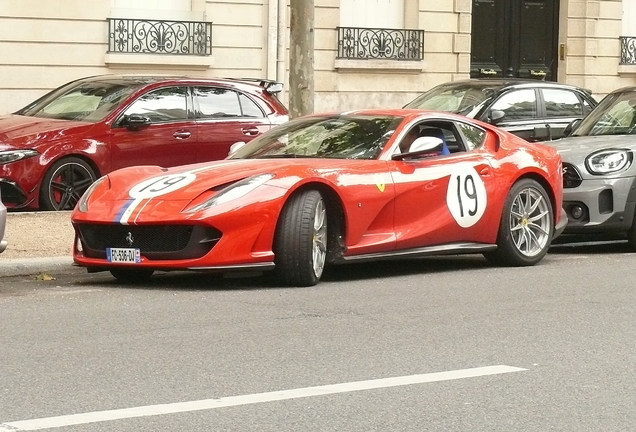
(3, 224)
(599, 173)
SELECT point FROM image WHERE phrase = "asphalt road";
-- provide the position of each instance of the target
(471, 348)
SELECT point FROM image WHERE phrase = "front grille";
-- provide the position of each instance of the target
(159, 242)
(571, 176)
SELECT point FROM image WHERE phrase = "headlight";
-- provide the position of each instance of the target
(608, 161)
(82, 204)
(9, 156)
(232, 192)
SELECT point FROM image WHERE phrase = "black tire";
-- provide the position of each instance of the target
(132, 275)
(64, 183)
(525, 233)
(300, 247)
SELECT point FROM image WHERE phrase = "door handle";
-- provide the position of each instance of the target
(181, 134)
(250, 131)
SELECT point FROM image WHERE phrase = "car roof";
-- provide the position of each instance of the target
(407, 113)
(147, 79)
(625, 89)
(501, 83)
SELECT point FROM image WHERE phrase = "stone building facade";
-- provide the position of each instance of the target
(368, 53)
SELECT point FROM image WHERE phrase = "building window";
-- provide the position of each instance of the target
(372, 13)
(158, 27)
(159, 37)
(628, 40)
(379, 43)
(374, 29)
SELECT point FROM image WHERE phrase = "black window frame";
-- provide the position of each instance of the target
(119, 122)
(198, 115)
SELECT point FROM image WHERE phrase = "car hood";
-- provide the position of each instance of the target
(164, 193)
(126, 183)
(26, 132)
(576, 148)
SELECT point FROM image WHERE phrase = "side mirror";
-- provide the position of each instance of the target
(423, 146)
(136, 121)
(495, 115)
(235, 147)
(573, 125)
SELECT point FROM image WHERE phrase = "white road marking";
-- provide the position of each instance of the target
(208, 404)
(567, 257)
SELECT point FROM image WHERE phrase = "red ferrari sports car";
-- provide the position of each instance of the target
(330, 189)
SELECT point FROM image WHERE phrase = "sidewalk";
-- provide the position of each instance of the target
(38, 242)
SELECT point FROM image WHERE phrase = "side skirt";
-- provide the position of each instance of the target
(447, 249)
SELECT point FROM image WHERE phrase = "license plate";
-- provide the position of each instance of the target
(123, 255)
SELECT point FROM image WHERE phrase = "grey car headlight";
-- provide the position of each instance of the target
(232, 192)
(9, 156)
(608, 161)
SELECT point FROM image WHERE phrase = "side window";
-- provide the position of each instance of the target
(163, 105)
(216, 102)
(249, 107)
(443, 131)
(517, 105)
(561, 103)
(473, 136)
(586, 107)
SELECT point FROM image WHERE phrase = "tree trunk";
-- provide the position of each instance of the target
(301, 58)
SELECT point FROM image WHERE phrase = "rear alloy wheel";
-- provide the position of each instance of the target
(65, 183)
(526, 228)
(301, 240)
(132, 275)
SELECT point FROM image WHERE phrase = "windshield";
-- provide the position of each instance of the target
(86, 101)
(465, 99)
(336, 136)
(615, 115)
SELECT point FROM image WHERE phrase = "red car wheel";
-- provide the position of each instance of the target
(64, 184)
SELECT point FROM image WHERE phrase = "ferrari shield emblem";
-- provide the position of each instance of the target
(379, 183)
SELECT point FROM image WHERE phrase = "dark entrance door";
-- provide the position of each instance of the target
(514, 38)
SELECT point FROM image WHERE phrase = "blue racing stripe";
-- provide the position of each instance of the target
(121, 212)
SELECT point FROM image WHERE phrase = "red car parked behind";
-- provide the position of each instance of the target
(52, 150)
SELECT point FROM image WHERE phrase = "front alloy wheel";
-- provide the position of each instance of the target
(301, 239)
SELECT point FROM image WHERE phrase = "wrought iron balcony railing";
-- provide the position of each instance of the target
(378, 43)
(628, 50)
(159, 37)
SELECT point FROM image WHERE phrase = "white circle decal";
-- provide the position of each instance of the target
(161, 185)
(466, 196)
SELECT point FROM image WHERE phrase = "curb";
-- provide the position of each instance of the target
(31, 266)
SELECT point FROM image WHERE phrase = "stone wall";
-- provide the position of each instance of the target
(591, 31)
(44, 44)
